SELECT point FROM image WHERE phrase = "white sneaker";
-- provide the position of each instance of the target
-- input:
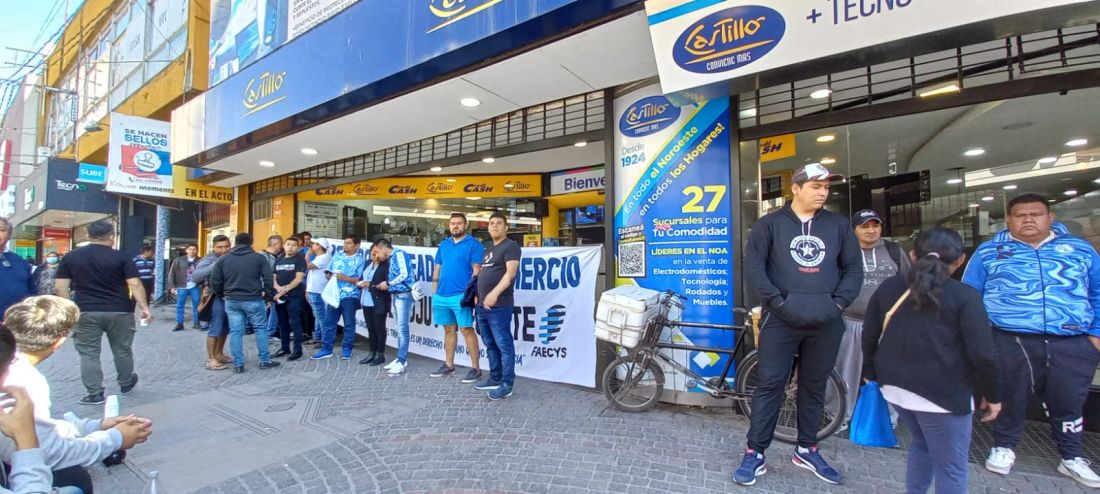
(1000, 461)
(1078, 469)
(397, 368)
(391, 364)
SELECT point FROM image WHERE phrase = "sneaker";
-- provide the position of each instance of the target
(269, 365)
(179, 327)
(198, 326)
(238, 370)
(93, 399)
(810, 459)
(501, 392)
(752, 466)
(1000, 460)
(133, 382)
(397, 368)
(294, 356)
(320, 355)
(472, 377)
(346, 354)
(391, 364)
(1078, 469)
(443, 370)
(487, 385)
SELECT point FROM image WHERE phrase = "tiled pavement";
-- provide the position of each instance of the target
(336, 426)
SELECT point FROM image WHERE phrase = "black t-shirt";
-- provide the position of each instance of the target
(286, 268)
(99, 275)
(493, 268)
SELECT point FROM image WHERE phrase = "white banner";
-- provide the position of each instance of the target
(137, 157)
(553, 321)
(700, 42)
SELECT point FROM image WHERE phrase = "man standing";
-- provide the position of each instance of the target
(184, 287)
(244, 280)
(882, 259)
(804, 265)
(290, 298)
(271, 253)
(103, 279)
(146, 266)
(457, 260)
(16, 281)
(347, 266)
(315, 284)
(218, 329)
(399, 282)
(494, 308)
(1040, 288)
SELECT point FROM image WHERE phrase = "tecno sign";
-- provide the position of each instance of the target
(581, 180)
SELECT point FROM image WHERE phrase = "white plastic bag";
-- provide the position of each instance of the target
(331, 293)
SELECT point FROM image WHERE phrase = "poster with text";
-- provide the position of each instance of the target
(553, 322)
(137, 157)
(673, 216)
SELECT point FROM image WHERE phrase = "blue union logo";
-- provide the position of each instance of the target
(729, 39)
(648, 116)
(551, 324)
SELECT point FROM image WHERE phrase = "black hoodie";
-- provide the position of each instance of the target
(242, 274)
(805, 273)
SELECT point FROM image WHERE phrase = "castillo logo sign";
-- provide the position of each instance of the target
(452, 11)
(647, 116)
(729, 39)
(261, 92)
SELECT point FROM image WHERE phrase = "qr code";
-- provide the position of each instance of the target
(632, 260)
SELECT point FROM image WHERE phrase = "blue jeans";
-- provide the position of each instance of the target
(182, 294)
(946, 460)
(272, 322)
(402, 312)
(219, 322)
(241, 314)
(348, 308)
(496, 331)
(317, 305)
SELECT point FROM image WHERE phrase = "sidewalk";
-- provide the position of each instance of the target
(337, 426)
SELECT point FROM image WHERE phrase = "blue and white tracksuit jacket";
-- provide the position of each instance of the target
(1053, 290)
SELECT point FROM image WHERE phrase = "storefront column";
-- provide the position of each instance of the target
(163, 222)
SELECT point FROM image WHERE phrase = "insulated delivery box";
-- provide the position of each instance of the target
(624, 311)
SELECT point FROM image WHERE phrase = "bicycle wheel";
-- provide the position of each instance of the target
(630, 387)
(786, 427)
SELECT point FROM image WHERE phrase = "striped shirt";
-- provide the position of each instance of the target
(144, 267)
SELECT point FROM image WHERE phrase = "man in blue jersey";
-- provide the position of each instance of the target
(457, 260)
(1041, 288)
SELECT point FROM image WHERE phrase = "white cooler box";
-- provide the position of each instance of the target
(623, 312)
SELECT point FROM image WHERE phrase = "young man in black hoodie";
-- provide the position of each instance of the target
(804, 264)
(244, 279)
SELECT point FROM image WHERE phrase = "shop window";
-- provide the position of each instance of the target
(261, 209)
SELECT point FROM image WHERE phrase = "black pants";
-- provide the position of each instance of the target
(376, 330)
(308, 321)
(148, 285)
(290, 321)
(1057, 370)
(75, 476)
(779, 343)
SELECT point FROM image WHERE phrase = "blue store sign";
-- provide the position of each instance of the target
(369, 41)
(91, 174)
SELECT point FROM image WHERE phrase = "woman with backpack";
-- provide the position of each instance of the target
(928, 343)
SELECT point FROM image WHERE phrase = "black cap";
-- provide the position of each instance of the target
(865, 215)
(814, 171)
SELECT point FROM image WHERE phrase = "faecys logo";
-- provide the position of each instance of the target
(647, 116)
(729, 39)
(551, 324)
(452, 11)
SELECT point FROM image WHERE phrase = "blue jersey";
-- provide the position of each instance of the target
(1054, 289)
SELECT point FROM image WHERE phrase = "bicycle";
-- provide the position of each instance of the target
(634, 382)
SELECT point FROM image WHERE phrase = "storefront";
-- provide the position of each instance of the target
(53, 205)
(938, 121)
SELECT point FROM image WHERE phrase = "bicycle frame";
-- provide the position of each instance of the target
(651, 346)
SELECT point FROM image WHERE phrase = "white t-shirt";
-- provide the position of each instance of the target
(24, 374)
(315, 279)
